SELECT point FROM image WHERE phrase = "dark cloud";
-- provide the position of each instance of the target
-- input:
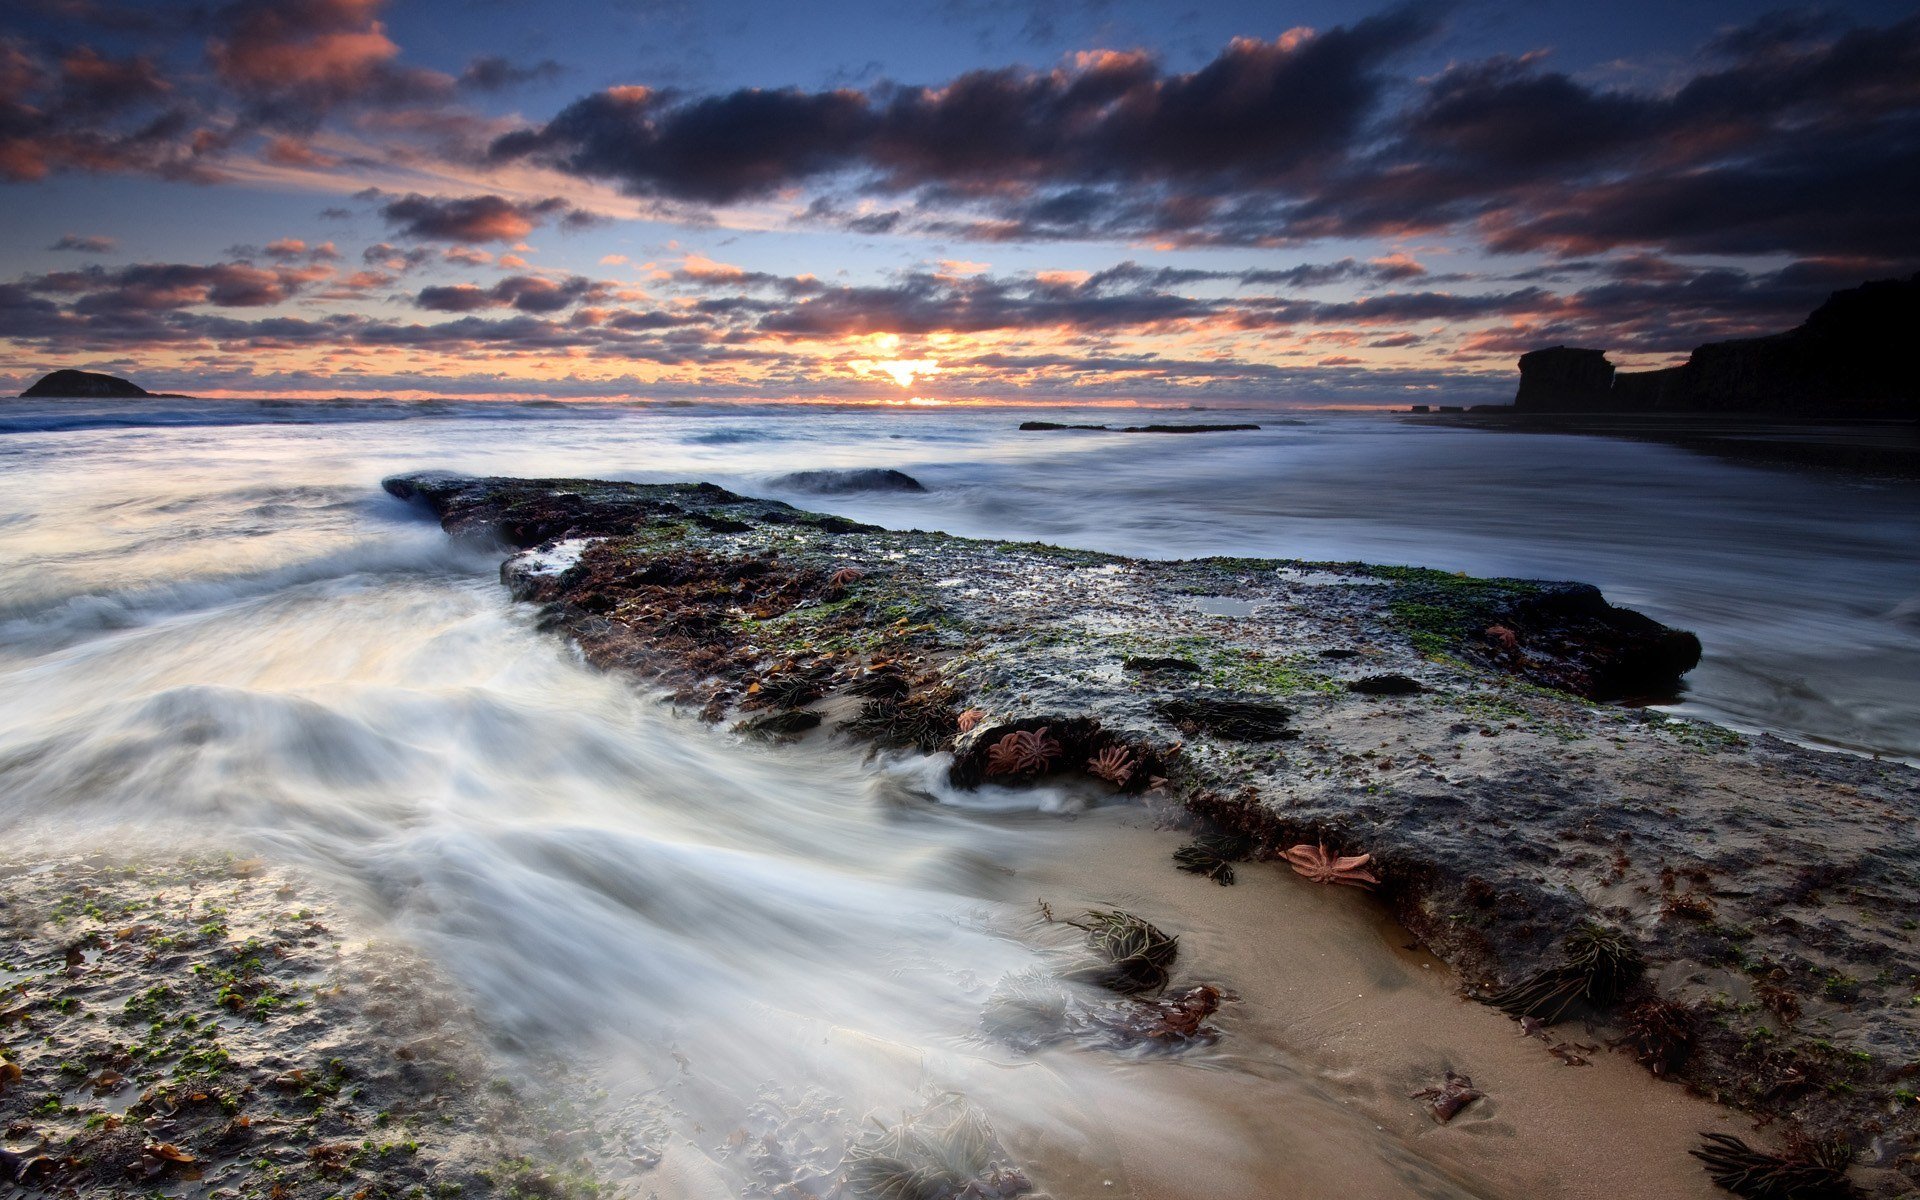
(527, 293)
(470, 219)
(1259, 112)
(158, 287)
(1391, 269)
(87, 244)
(492, 73)
(390, 257)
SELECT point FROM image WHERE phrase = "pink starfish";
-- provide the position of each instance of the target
(1113, 764)
(1022, 751)
(1322, 867)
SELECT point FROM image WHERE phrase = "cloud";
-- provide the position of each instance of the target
(1793, 134)
(295, 249)
(88, 244)
(294, 61)
(80, 110)
(527, 293)
(390, 257)
(154, 287)
(469, 219)
(1259, 112)
(294, 152)
(492, 73)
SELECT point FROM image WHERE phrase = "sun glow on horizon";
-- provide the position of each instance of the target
(902, 371)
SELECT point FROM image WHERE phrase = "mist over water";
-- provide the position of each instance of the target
(215, 628)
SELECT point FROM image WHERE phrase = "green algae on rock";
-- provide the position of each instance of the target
(1766, 888)
(206, 1026)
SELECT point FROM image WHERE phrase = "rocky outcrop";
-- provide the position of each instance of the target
(1754, 897)
(84, 384)
(1851, 357)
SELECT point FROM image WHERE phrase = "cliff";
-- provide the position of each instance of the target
(1561, 378)
(71, 383)
(1849, 358)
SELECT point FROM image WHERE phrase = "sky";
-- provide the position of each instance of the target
(949, 201)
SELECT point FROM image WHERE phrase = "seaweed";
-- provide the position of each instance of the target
(883, 684)
(788, 723)
(944, 1152)
(928, 724)
(1213, 855)
(794, 691)
(1660, 1034)
(1131, 955)
(1599, 965)
(1809, 1170)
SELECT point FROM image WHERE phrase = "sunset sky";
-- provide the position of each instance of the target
(957, 200)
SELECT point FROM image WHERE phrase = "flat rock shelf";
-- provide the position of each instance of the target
(1738, 912)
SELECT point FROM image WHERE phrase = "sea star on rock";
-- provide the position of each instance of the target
(1113, 764)
(1317, 864)
(970, 718)
(1022, 751)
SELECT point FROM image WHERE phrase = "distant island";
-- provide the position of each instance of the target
(91, 385)
(1850, 358)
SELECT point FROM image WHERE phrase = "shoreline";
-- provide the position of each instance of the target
(1453, 749)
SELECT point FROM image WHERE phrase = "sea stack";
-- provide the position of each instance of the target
(1564, 379)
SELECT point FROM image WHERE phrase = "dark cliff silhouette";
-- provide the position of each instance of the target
(1850, 358)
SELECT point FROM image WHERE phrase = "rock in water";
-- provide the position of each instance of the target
(69, 383)
(841, 482)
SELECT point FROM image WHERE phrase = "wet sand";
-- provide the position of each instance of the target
(1333, 1006)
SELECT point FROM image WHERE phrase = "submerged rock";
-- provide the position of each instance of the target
(842, 482)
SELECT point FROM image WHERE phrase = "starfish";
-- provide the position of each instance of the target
(1113, 764)
(1322, 867)
(1022, 751)
(970, 718)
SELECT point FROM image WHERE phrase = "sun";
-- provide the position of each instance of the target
(902, 371)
